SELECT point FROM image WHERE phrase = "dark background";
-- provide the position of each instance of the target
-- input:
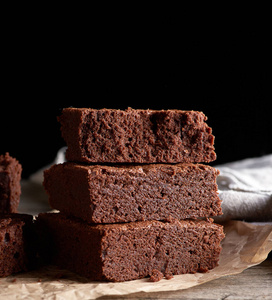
(51, 63)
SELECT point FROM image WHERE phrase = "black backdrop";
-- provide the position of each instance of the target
(158, 65)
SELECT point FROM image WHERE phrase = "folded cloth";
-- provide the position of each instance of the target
(245, 187)
(37, 177)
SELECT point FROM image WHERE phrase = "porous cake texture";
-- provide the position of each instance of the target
(17, 243)
(126, 193)
(127, 251)
(136, 136)
(10, 187)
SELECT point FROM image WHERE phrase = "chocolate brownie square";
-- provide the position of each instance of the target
(17, 243)
(10, 188)
(127, 251)
(136, 136)
(125, 193)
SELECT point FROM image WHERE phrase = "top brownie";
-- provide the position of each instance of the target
(136, 136)
(10, 187)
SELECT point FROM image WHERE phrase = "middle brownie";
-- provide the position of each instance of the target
(126, 193)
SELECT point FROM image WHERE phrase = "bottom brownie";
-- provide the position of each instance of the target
(17, 250)
(127, 251)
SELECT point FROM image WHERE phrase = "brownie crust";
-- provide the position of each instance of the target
(127, 251)
(125, 193)
(10, 187)
(136, 136)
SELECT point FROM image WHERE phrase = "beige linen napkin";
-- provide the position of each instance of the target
(245, 187)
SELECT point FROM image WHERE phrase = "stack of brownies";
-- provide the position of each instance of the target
(133, 199)
(17, 239)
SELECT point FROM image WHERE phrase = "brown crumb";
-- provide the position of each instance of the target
(156, 275)
(169, 276)
(203, 270)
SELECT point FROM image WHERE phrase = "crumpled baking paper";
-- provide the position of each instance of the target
(245, 245)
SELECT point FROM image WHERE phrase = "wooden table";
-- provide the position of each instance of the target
(254, 283)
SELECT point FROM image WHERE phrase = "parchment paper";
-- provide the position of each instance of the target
(245, 245)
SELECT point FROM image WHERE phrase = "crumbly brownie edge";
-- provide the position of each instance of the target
(17, 244)
(10, 185)
(109, 194)
(130, 251)
(108, 136)
(71, 123)
(172, 248)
